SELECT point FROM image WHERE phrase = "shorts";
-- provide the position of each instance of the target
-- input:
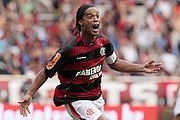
(176, 109)
(86, 109)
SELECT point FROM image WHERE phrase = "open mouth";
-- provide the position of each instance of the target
(95, 27)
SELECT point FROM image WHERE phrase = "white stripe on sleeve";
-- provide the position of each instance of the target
(111, 59)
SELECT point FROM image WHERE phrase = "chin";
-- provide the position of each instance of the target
(95, 33)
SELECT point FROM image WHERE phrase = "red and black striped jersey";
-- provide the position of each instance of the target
(79, 67)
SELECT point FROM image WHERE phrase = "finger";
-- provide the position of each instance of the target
(158, 69)
(20, 109)
(20, 102)
(150, 62)
(27, 108)
(24, 112)
(158, 64)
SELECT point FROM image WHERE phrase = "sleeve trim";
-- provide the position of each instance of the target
(111, 59)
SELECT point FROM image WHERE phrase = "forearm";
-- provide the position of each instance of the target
(37, 83)
(124, 66)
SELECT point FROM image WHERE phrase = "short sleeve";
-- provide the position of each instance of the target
(111, 59)
(52, 66)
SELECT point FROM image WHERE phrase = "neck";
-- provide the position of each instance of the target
(88, 38)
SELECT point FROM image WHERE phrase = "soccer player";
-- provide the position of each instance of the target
(79, 65)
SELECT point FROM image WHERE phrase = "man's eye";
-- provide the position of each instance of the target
(89, 16)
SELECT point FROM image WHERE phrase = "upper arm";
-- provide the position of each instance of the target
(59, 59)
(57, 62)
(51, 67)
(111, 59)
(111, 56)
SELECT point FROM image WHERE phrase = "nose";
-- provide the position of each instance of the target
(96, 18)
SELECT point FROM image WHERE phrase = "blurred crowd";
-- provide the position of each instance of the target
(32, 30)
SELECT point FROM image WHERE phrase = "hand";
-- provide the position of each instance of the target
(24, 105)
(152, 67)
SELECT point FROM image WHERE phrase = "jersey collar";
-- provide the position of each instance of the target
(79, 39)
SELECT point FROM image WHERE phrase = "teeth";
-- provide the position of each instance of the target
(95, 26)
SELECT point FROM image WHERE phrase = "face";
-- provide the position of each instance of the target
(90, 22)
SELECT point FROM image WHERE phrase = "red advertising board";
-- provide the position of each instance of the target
(4, 92)
(126, 101)
(49, 112)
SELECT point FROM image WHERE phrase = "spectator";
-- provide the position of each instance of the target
(22, 25)
(3, 96)
(170, 62)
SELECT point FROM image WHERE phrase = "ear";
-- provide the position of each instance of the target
(80, 22)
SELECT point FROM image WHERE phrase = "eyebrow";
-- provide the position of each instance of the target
(87, 13)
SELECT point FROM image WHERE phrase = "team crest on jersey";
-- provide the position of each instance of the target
(53, 61)
(89, 111)
(102, 51)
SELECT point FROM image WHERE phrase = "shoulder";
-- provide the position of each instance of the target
(101, 35)
(104, 38)
(68, 46)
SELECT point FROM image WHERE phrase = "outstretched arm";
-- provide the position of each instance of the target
(26, 100)
(124, 66)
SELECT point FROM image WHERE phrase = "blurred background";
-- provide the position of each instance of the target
(141, 30)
